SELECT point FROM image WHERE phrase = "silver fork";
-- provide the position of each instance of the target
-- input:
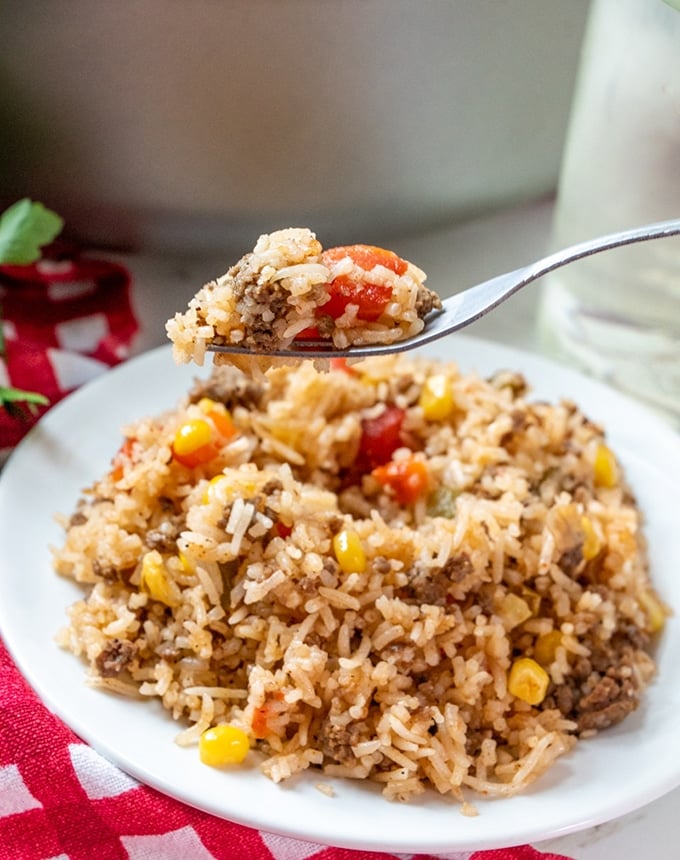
(461, 309)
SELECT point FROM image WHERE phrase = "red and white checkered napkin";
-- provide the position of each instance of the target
(61, 800)
(65, 319)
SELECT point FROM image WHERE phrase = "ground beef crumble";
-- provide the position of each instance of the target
(229, 386)
(164, 536)
(115, 657)
(336, 741)
(601, 692)
(426, 301)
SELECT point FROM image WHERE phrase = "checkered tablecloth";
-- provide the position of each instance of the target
(59, 799)
(67, 319)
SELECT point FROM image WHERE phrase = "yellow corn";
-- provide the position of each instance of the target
(532, 599)
(591, 542)
(436, 397)
(206, 404)
(605, 469)
(212, 491)
(545, 647)
(528, 681)
(218, 414)
(192, 435)
(154, 579)
(656, 612)
(223, 744)
(349, 552)
(512, 610)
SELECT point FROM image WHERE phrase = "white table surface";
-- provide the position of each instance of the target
(475, 250)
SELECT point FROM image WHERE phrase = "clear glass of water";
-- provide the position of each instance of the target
(617, 315)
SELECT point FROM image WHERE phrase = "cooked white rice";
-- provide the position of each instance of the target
(283, 288)
(296, 597)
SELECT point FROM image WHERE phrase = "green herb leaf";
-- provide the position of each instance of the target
(16, 395)
(24, 228)
(20, 404)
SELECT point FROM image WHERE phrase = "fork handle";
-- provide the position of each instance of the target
(466, 307)
(658, 230)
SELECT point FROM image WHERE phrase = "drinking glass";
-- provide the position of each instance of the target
(617, 315)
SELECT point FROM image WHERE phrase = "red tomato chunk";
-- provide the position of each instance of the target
(408, 479)
(380, 437)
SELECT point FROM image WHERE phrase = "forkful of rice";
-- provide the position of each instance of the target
(290, 298)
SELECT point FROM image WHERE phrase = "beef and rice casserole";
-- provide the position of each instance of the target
(391, 571)
(289, 288)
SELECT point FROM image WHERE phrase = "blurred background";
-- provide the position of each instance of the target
(170, 134)
(194, 126)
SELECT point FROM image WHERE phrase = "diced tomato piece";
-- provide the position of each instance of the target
(283, 530)
(197, 457)
(340, 364)
(408, 479)
(262, 715)
(259, 722)
(366, 256)
(381, 436)
(123, 455)
(311, 333)
(372, 299)
(223, 424)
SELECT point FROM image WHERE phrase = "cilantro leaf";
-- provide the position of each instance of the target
(18, 403)
(24, 228)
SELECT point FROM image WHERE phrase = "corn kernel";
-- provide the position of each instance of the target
(212, 491)
(591, 542)
(223, 744)
(219, 415)
(512, 610)
(192, 435)
(436, 397)
(605, 469)
(207, 404)
(545, 647)
(349, 552)
(154, 579)
(532, 599)
(528, 681)
(213, 409)
(656, 612)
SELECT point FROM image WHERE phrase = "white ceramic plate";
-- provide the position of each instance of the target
(615, 773)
